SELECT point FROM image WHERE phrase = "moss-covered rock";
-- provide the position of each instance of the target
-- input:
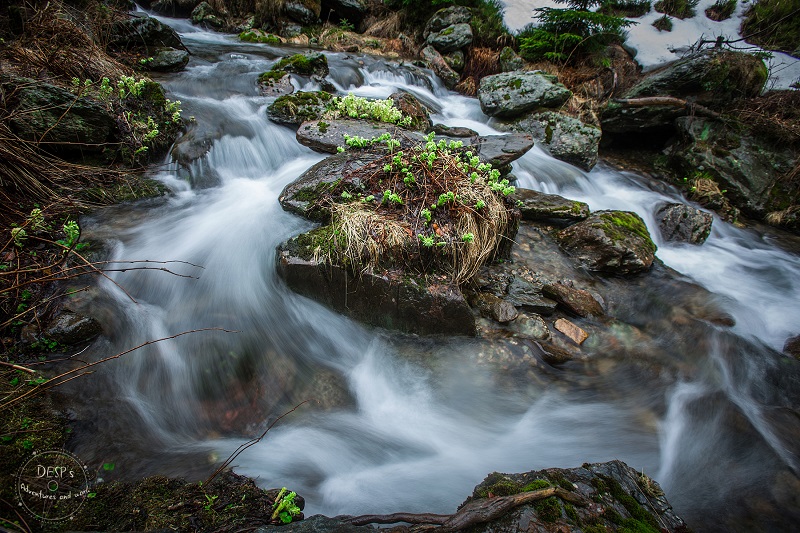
(538, 206)
(312, 64)
(615, 242)
(410, 106)
(294, 109)
(511, 94)
(206, 15)
(451, 38)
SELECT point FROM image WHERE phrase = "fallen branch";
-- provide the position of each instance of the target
(668, 101)
(473, 513)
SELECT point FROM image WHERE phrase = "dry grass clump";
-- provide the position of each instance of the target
(775, 115)
(434, 207)
(479, 62)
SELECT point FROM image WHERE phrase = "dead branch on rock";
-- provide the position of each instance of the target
(668, 101)
(475, 512)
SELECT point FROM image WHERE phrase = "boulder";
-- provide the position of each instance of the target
(168, 60)
(294, 109)
(510, 60)
(511, 94)
(747, 168)
(575, 301)
(328, 135)
(206, 15)
(490, 306)
(70, 328)
(646, 119)
(571, 331)
(538, 206)
(615, 242)
(410, 106)
(310, 64)
(391, 300)
(305, 12)
(44, 112)
(195, 143)
(300, 196)
(143, 32)
(275, 83)
(711, 77)
(565, 137)
(451, 38)
(440, 67)
(445, 18)
(683, 223)
(603, 495)
(352, 10)
(501, 150)
(456, 60)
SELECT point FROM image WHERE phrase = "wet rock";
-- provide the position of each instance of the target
(275, 83)
(353, 10)
(510, 61)
(44, 112)
(300, 196)
(511, 94)
(500, 150)
(530, 325)
(493, 307)
(311, 64)
(565, 137)
(523, 293)
(70, 328)
(194, 143)
(613, 492)
(412, 107)
(294, 109)
(615, 242)
(538, 206)
(305, 12)
(440, 67)
(552, 354)
(206, 15)
(392, 301)
(444, 18)
(455, 60)
(451, 38)
(143, 32)
(168, 60)
(619, 118)
(683, 223)
(448, 131)
(792, 346)
(576, 301)
(328, 135)
(572, 331)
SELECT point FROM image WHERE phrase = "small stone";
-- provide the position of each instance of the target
(575, 333)
(683, 223)
(530, 325)
(539, 206)
(575, 301)
(493, 307)
(71, 328)
(522, 293)
(552, 354)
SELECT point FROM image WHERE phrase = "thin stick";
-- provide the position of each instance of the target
(17, 367)
(251, 442)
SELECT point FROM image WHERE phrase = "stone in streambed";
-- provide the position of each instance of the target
(576, 301)
(440, 67)
(71, 328)
(510, 94)
(328, 135)
(615, 242)
(493, 307)
(522, 293)
(294, 109)
(538, 206)
(530, 325)
(168, 60)
(573, 332)
(392, 300)
(683, 223)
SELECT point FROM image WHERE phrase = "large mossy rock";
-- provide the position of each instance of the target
(747, 168)
(206, 15)
(392, 300)
(49, 114)
(451, 38)
(445, 18)
(615, 498)
(311, 64)
(615, 242)
(511, 94)
(294, 109)
(143, 32)
(565, 137)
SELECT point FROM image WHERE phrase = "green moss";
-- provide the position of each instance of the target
(536, 485)
(257, 37)
(311, 194)
(571, 513)
(323, 127)
(549, 509)
(302, 63)
(517, 84)
(271, 76)
(548, 134)
(447, 31)
(632, 506)
(324, 241)
(302, 105)
(632, 525)
(630, 222)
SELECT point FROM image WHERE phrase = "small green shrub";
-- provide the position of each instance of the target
(774, 25)
(357, 107)
(682, 9)
(721, 10)
(626, 8)
(663, 23)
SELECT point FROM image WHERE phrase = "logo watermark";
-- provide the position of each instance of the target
(53, 485)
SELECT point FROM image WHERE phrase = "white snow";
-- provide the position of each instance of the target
(655, 48)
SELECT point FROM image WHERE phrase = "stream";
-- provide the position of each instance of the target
(404, 423)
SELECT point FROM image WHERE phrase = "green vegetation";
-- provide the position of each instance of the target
(549, 509)
(682, 9)
(565, 35)
(357, 107)
(254, 36)
(774, 25)
(625, 8)
(628, 221)
(284, 508)
(306, 64)
(721, 10)
(663, 23)
(271, 76)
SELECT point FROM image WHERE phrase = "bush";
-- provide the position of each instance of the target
(682, 9)
(568, 34)
(721, 10)
(626, 8)
(663, 23)
(774, 25)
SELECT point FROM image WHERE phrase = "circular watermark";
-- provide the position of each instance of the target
(52, 485)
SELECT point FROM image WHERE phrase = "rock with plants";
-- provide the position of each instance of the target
(613, 242)
(541, 207)
(205, 15)
(166, 60)
(294, 109)
(446, 18)
(420, 220)
(451, 38)
(511, 94)
(410, 106)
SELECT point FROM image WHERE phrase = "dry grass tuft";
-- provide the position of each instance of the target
(479, 62)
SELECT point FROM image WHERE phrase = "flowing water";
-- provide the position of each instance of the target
(410, 424)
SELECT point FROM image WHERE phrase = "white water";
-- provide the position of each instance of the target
(425, 420)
